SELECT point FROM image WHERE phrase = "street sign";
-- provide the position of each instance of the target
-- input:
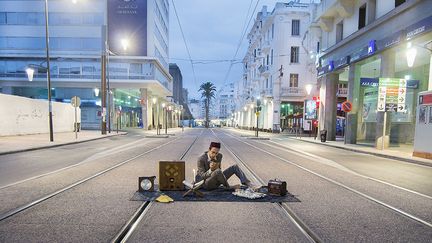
(381, 98)
(392, 94)
(76, 101)
(347, 106)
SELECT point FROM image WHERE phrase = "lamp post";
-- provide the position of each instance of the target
(171, 118)
(258, 109)
(153, 113)
(48, 74)
(165, 116)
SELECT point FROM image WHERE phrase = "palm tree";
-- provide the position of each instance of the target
(208, 92)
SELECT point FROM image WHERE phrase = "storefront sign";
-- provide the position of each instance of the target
(342, 62)
(410, 84)
(371, 47)
(369, 82)
(390, 40)
(361, 53)
(423, 26)
(331, 66)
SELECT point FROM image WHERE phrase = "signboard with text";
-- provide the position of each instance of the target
(392, 94)
(127, 22)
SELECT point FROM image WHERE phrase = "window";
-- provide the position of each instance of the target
(371, 10)
(272, 31)
(339, 32)
(362, 17)
(2, 18)
(295, 27)
(295, 54)
(267, 60)
(399, 2)
(135, 68)
(271, 81)
(271, 57)
(293, 80)
(318, 47)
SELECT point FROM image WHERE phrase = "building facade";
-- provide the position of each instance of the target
(225, 105)
(79, 35)
(381, 50)
(277, 67)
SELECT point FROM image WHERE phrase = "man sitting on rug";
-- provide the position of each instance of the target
(209, 170)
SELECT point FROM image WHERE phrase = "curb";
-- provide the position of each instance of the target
(371, 153)
(58, 145)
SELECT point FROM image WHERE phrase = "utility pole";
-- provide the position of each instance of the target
(103, 81)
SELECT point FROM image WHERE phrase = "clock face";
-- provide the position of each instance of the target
(146, 184)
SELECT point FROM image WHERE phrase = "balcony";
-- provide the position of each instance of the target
(266, 46)
(328, 10)
(264, 70)
(267, 93)
(292, 91)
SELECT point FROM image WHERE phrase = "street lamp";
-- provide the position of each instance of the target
(257, 113)
(153, 113)
(171, 120)
(308, 88)
(165, 114)
(30, 72)
(180, 117)
(48, 73)
(125, 44)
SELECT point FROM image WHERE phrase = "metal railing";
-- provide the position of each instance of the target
(292, 91)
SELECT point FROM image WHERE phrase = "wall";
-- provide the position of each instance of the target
(21, 116)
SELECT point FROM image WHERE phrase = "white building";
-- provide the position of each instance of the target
(196, 109)
(277, 67)
(225, 104)
(137, 74)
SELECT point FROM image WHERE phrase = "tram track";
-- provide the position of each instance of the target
(128, 229)
(342, 185)
(39, 200)
(304, 229)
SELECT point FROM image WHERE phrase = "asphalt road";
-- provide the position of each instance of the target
(320, 177)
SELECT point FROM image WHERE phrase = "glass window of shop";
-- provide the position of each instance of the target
(392, 63)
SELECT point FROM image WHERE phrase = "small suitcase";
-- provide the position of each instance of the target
(277, 187)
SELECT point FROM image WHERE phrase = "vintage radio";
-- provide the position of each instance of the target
(277, 187)
(171, 175)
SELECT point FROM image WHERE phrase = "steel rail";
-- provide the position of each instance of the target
(388, 206)
(116, 149)
(44, 198)
(306, 231)
(127, 230)
(306, 154)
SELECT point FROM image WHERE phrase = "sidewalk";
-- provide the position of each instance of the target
(402, 153)
(15, 144)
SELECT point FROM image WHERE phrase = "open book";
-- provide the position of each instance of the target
(191, 185)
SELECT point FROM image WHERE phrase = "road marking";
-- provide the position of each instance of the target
(343, 186)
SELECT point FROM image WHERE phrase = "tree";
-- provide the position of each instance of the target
(207, 92)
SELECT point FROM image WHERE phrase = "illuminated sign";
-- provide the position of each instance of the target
(127, 27)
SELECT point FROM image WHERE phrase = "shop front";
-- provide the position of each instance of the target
(384, 79)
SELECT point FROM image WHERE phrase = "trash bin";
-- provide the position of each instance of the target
(323, 135)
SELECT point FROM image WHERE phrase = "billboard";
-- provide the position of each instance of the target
(310, 110)
(127, 27)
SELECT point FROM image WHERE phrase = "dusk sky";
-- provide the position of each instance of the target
(212, 30)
